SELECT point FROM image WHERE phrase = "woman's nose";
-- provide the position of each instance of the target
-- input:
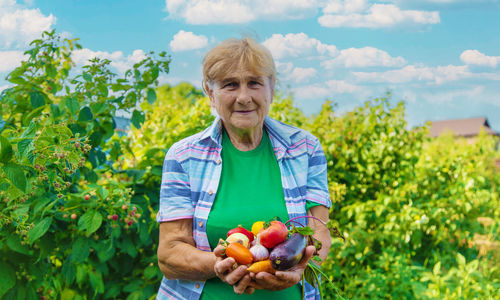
(243, 96)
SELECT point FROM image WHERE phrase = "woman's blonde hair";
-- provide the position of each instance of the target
(232, 54)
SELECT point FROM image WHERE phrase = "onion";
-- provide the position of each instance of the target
(238, 238)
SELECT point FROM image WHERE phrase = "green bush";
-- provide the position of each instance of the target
(410, 207)
(77, 216)
(73, 224)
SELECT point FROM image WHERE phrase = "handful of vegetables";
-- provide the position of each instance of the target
(272, 246)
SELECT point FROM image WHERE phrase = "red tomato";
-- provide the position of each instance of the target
(240, 229)
(273, 235)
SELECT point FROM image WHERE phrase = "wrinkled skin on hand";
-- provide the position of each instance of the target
(244, 282)
(238, 278)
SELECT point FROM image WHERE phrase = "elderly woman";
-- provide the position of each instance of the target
(244, 168)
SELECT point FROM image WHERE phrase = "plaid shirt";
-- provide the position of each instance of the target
(191, 174)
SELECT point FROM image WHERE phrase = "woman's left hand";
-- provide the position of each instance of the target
(282, 279)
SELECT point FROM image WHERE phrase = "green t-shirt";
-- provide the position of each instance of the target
(250, 190)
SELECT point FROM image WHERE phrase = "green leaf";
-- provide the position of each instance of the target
(85, 115)
(14, 243)
(16, 175)
(437, 268)
(305, 231)
(87, 77)
(133, 286)
(112, 292)
(7, 278)
(36, 99)
(23, 146)
(151, 96)
(105, 250)
(72, 105)
(55, 110)
(135, 295)
(90, 221)
(21, 293)
(5, 150)
(30, 132)
(40, 229)
(68, 294)
(80, 250)
(460, 259)
(51, 70)
(95, 138)
(81, 274)
(138, 118)
(68, 270)
(34, 113)
(96, 282)
(128, 247)
(98, 108)
(150, 272)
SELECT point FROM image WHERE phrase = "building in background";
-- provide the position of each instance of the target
(466, 128)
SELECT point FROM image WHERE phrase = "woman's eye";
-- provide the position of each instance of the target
(230, 84)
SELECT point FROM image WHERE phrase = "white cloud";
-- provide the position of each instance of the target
(3, 87)
(364, 57)
(450, 96)
(118, 60)
(302, 74)
(437, 75)
(474, 57)
(324, 90)
(239, 11)
(345, 7)
(19, 26)
(10, 59)
(357, 14)
(184, 41)
(297, 44)
(162, 79)
(284, 68)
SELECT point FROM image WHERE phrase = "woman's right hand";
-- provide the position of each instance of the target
(237, 277)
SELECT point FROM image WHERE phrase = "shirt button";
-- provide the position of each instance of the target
(210, 192)
(197, 285)
(200, 224)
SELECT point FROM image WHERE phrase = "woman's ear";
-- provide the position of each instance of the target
(209, 92)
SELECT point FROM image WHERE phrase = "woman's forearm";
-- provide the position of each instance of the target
(321, 232)
(178, 258)
(183, 261)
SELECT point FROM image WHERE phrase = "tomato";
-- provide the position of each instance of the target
(240, 253)
(273, 235)
(240, 229)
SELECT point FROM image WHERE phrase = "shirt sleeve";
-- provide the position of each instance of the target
(317, 180)
(175, 191)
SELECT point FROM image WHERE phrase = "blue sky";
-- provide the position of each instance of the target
(441, 56)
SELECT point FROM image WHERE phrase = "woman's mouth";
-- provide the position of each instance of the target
(245, 112)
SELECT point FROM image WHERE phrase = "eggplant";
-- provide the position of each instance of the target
(289, 253)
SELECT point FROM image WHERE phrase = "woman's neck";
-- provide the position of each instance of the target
(245, 140)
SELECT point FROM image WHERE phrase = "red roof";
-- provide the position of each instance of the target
(462, 127)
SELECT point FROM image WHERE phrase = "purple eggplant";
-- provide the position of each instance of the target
(289, 253)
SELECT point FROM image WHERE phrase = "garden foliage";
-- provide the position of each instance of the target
(79, 199)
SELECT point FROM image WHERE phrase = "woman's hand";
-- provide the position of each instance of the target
(237, 277)
(282, 279)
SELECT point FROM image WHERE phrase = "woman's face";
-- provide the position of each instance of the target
(242, 99)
